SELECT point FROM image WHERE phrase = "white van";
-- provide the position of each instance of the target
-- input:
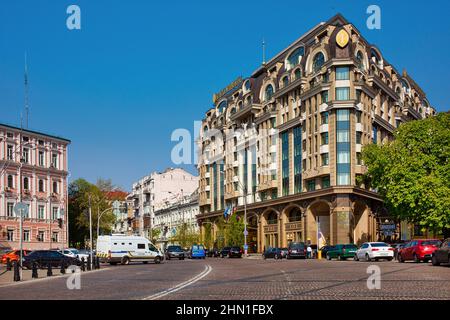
(125, 249)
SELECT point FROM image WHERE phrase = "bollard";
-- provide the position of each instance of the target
(49, 270)
(8, 264)
(63, 267)
(319, 254)
(97, 260)
(34, 272)
(16, 271)
(83, 266)
(89, 263)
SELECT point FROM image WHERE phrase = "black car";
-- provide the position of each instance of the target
(273, 253)
(224, 252)
(175, 252)
(235, 252)
(441, 255)
(213, 253)
(44, 258)
(296, 250)
(325, 249)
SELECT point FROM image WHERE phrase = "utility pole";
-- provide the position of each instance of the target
(90, 228)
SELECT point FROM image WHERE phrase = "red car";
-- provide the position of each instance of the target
(418, 250)
(13, 255)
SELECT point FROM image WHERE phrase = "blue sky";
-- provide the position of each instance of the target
(137, 70)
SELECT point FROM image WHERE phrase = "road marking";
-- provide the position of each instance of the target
(182, 285)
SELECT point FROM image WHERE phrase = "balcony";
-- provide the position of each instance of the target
(247, 110)
(324, 148)
(323, 128)
(293, 226)
(271, 227)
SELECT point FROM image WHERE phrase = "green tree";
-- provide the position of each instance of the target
(186, 236)
(412, 172)
(235, 231)
(82, 194)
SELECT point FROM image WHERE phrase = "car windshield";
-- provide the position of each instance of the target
(74, 251)
(350, 246)
(379, 244)
(236, 248)
(197, 248)
(431, 243)
(297, 245)
(174, 248)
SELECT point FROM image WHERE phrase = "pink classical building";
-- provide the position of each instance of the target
(33, 170)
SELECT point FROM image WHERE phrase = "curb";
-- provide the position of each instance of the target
(49, 278)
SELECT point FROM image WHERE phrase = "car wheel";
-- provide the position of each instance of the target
(157, 260)
(275, 257)
(340, 258)
(416, 258)
(355, 257)
(400, 258)
(368, 259)
(328, 257)
(264, 257)
(390, 259)
(434, 261)
(144, 262)
(168, 257)
(113, 263)
(125, 260)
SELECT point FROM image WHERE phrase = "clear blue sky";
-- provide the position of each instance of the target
(139, 69)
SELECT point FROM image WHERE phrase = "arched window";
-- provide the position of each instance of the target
(268, 92)
(285, 81)
(298, 74)
(247, 85)
(26, 184)
(272, 218)
(248, 100)
(318, 61)
(360, 60)
(205, 129)
(375, 56)
(295, 57)
(10, 182)
(295, 215)
(233, 111)
(222, 106)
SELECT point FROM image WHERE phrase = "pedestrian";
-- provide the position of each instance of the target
(308, 252)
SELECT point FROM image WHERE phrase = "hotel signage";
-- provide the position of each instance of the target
(222, 92)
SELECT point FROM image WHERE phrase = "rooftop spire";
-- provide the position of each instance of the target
(27, 109)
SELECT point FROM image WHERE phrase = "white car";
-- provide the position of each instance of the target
(74, 253)
(374, 251)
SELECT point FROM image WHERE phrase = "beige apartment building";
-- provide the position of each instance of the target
(287, 141)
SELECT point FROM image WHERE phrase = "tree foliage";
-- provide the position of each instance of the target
(412, 172)
(186, 236)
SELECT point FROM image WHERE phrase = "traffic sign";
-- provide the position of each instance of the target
(21, 209)
(246, 247)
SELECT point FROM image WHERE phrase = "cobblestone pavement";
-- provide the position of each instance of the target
(253, 279)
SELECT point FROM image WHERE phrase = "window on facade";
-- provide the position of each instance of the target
(342, 93)
(285, 162)
(55, 236)
(26, 155)
(55, 160)
(55, 213)
(298, 74)
(10, 209)
(360, 60)
(222, 107)
(294, 58)
(285, 81)
(297, 159)
(358, 158)
(10, 152)
(342, 73)
(41, 185)
(324, 96)
(358, 96)
(343, 147)
(55, 187)
(318, 61)
(26, 235)
(311, 185)
(326, 182)
(324, 118)
(325, 159)
(41, 212)
(324, 138)
(358, 137)
(41, 158)
(358, 116)
(26, 184)
(41, 236)
(10, 181)
(10, 235)
(269, 92)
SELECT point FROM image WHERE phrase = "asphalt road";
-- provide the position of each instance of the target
(254, 279)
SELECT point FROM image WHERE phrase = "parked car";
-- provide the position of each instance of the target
(284, 252)
(235, 252)
(44, 258)
(418, 250)
(342, 251)
(13, 255)
(214, 252)
(374, 251)
(296, 250)
(273, 253)
(197, 251)
(74, 253)
(324, 250)
(224, 252)
(175, 252)
(441, 255)
(397, 247)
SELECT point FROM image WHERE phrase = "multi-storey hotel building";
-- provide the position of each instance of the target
(33, 170)
(287, 141)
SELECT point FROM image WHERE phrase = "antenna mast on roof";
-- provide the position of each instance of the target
(263, 52)
(27, 109)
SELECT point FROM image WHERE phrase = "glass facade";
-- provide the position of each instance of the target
(374, 134)
(285, 162)
(297, 159)
(343, 147)
(215, 186)
(343, 93)
(222, 184)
